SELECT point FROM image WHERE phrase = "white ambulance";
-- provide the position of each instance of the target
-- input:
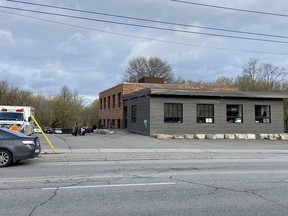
(17, 115)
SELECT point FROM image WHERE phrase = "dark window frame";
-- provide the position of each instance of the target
(263, 114)
(234, 113)
(133, 113)
(205, 113)
(173, 113)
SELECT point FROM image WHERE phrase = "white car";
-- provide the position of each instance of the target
(36, 130)
(58, 131)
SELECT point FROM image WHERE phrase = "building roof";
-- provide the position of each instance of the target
(128, 87)
(205, 93)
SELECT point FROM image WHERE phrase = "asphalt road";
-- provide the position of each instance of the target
(190, 187)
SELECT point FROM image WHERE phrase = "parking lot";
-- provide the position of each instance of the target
(123, 139)
(124, 145)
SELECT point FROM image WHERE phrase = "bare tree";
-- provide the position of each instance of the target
(261, 77)
(152, 67)
(272, 76)
(4, 91)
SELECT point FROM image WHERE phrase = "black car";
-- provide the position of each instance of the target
(48, 130)
(15, 146)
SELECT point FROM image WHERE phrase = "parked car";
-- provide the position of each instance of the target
(36, 130)
(15, 146)
(48, 130)
(58, 131)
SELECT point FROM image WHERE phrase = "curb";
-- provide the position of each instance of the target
(63, 157)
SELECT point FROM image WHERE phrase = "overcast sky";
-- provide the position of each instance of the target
(43, 52)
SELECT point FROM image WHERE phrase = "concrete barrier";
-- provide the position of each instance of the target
(200, 136)
(229, 136)
(162, 136)
(189, 136)
(262, 136)
(175, 136)
(214, 136)
(283, 136)
(238, 136)
(250, 136)
(273, 136)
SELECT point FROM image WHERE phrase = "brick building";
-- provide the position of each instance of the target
(112, 111)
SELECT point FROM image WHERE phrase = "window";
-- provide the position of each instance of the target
(104, 103)
(113, 101)
(100, 104)
(133, 113)
(119, 99)
(205, 113)
(234, 113)
(109, 102)
(262, 114)
(173, 113)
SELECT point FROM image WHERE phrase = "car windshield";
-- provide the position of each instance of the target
(11, 116)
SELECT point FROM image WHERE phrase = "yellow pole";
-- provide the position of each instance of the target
(50, 144)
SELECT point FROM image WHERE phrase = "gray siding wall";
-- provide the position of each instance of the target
(143, 113)
(190, 126)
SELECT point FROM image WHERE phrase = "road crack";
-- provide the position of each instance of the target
(216, 189)
(268, 200)
(45, 202)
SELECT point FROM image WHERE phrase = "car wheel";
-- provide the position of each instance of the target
(5, 158)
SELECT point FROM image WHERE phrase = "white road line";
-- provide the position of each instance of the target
(107, 186)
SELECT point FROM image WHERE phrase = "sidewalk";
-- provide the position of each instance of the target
(64, 155)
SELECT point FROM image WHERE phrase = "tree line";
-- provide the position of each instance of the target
(62, 110)
(67, 107)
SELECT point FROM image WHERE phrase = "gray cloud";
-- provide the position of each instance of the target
(43, 56)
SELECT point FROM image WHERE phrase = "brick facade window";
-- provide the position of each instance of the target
(104, 103)
(113, 101)
(119, 99)
(109, 100)
(101, 104)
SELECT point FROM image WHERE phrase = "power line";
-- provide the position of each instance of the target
(145, 38)
(145, 26)
(150, 20)
(230, 8)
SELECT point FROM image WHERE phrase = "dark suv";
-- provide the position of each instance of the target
(48, 130)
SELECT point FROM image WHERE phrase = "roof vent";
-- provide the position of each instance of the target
(151, 80)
